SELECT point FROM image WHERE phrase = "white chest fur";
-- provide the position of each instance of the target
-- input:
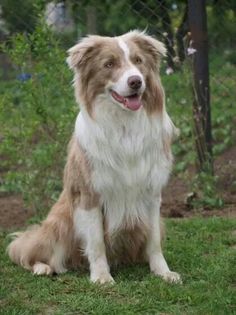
(129, 165)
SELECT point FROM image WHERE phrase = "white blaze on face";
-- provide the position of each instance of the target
(124, 47)
(121, 86)
(123, 91)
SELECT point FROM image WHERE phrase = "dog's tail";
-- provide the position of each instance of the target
(29, 248)
(44, 248)
(38, 249)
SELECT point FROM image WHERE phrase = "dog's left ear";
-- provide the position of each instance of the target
(75, 55)
(82, 52)
(149, 45)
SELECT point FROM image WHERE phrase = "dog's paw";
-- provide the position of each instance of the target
(172, 277)
(102, 278)
(41, 269)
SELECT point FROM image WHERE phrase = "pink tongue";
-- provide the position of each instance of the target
(132, 102)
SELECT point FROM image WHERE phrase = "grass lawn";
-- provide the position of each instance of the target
(202, 250)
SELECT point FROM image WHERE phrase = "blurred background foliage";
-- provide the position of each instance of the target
(37, 107)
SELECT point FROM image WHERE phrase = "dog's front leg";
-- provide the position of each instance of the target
(157, 262)
(89, 228)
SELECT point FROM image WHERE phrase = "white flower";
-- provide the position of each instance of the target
(191, 51)
(174, 6)
(169, 71)
(176, 59)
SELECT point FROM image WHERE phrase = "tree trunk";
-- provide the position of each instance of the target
(181, 33)
(201, 103)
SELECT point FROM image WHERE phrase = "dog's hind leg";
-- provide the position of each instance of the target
(45, 248)
(38, 251)
(55, 265)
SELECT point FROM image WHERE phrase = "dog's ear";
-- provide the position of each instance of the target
(153, 97)
(82, 52)
(153, 50)
(149, 45)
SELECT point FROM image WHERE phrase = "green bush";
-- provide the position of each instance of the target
(37, 114)
(37, 117)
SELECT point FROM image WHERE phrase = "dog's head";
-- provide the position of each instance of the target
(122, 69)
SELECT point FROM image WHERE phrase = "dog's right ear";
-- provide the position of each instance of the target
(82, 52)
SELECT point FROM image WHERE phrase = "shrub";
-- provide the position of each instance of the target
(37, 117)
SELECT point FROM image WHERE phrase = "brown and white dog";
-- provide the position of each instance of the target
(119, 159)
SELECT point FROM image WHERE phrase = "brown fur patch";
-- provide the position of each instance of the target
(151, 48)
(77, 178)
(127, 246)
(153, 97)
(150, 52)
(93, 53)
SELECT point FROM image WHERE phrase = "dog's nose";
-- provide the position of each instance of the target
(135, 82)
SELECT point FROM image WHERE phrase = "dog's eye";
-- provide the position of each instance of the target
(138, 60)
(109, 64)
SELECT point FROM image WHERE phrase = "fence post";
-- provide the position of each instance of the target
(201, 101)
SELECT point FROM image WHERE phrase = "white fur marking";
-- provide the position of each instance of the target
(89, 227)
(124, 47)
(121, 86)
(129, 163)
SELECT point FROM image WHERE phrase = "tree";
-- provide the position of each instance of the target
(19, 16)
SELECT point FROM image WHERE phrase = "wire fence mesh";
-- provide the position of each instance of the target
(165, 19)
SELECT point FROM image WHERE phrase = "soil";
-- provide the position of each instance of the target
(178, 190)
(14, 213)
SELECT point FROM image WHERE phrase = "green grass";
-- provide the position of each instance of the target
(200, 249)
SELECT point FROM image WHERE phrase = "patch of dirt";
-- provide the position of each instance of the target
(175, 194)
(14, 214)
(225, 168)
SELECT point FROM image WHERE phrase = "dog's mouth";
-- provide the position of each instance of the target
(132, 102)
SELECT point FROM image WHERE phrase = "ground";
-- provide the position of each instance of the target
(202, 250)
(174, 196)
(14, 213)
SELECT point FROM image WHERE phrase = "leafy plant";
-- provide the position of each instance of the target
(206, 195)
(37, 116)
